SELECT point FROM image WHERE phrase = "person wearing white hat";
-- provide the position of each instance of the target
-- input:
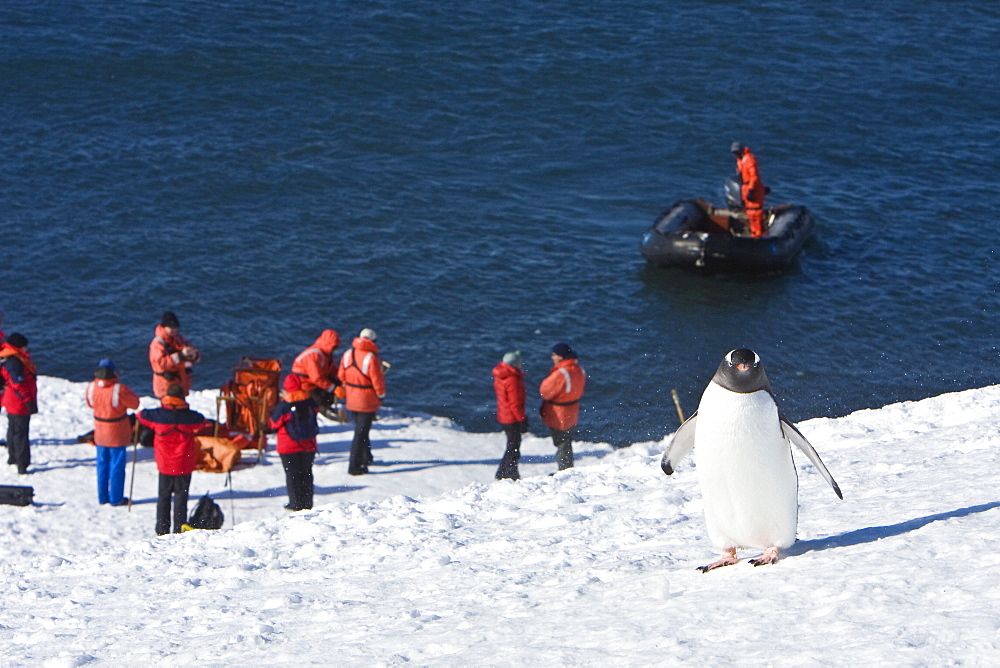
(360, 371)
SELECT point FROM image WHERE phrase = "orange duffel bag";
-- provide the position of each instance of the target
(217, 455)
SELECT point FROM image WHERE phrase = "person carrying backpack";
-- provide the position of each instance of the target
(176, 452)
(294, 418)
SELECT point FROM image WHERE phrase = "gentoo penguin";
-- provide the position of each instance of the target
(744, 462)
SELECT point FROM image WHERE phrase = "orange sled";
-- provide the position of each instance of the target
(249, 398)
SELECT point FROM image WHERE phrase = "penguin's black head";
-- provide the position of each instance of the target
(742, 371)
(742, 359)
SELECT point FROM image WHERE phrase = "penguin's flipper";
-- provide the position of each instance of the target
(680, 446)
(793, 434)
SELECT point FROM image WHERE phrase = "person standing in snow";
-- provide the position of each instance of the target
(364, 383)
(171, 356)
(294, 418)
(110, 400)
(317, 369)
(20, 398)
(508, 383)
(176, 452)
(561, 391)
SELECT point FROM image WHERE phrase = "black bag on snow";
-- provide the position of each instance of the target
(16, 495)
(206, 515)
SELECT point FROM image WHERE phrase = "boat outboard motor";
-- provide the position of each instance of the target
(733, 190)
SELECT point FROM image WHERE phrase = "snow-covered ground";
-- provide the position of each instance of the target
(428, 561)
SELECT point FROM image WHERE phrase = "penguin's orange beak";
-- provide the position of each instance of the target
(743, 367)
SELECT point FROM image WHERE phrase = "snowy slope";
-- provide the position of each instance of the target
(430, 562)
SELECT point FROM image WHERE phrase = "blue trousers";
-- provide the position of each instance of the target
(111, 474)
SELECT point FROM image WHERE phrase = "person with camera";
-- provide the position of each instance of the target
(171, 356)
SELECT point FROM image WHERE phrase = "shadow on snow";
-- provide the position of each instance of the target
(873, 534)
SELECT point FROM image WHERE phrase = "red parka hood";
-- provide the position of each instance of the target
(504, 370)
(327, 341)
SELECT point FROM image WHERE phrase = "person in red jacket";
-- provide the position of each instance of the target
(171, 356)
(317, 369)
(508, 383)
(20, 398)
(176, 452)
(364, 383)
(561, 391)
(111, 400)
(294, 418)
(753, 189)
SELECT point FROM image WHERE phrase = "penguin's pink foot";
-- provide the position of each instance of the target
(728, 559)
(770, 556)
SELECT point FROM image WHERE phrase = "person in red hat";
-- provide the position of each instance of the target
(176, 452)
(171, 356)
(18, 376)
(294, 418)
(111, 400)
(561, 391)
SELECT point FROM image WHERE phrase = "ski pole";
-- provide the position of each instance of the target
(135, 455)
(232, 503)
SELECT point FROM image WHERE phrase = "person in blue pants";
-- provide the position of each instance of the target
(110, 401)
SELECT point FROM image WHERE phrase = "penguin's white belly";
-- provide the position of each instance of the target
(744, 464)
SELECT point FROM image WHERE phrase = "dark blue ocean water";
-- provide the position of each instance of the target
(469, 178)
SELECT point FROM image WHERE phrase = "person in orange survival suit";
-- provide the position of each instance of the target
(171, 357)
(753, 189)
(110, 400)
(317, 371)
(561, 391)
(360, 371)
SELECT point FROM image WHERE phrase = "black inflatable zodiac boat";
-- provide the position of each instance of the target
(694, 234)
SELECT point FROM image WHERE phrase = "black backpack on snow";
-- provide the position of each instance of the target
(207, 515)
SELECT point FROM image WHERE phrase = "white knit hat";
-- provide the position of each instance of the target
(368, 334)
